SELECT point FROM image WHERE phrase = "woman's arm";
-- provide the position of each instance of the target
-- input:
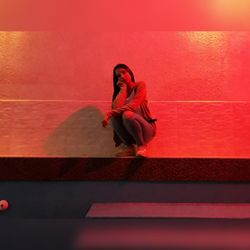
(139, 97)
(118, 102)
(120, 98)
(133, 105)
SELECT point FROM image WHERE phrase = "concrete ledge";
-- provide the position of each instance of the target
(118, 169)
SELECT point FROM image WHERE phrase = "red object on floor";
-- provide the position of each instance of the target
(4, 205)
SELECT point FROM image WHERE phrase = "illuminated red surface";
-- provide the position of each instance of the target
(177, 66)
(198, 88)
(198, 82)
(135, 15)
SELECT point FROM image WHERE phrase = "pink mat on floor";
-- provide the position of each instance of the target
(170, 210)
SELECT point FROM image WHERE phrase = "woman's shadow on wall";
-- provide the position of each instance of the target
(81, 134)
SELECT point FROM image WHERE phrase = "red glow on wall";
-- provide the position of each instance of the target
(232, 10)
(198, 88)
(135, 15)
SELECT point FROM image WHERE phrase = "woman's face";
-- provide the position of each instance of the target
(123, 75)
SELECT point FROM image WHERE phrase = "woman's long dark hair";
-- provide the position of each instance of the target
(115, 78)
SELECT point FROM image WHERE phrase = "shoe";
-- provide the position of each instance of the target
(126, 150)
(141, 151)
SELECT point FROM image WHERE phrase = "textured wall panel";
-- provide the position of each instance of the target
(109, 15)
(55, 87)
(78, 66)
(184, 129)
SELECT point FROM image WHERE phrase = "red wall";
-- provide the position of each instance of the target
(132, 15)
(55, 82)
(178, 66)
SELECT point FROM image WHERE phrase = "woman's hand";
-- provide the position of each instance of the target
(121, 84)
(105, 123)
(106, 120)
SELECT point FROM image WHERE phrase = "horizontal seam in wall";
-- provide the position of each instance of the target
(102, 101)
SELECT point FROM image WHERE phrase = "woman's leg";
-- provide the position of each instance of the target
(121, 131)
(140, 129)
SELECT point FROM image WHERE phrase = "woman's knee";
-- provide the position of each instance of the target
(127, 115)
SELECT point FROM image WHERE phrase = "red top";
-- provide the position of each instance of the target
(139, 101)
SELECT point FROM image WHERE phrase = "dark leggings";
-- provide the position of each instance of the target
(132, 128)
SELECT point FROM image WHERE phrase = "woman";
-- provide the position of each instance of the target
(130, 117)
